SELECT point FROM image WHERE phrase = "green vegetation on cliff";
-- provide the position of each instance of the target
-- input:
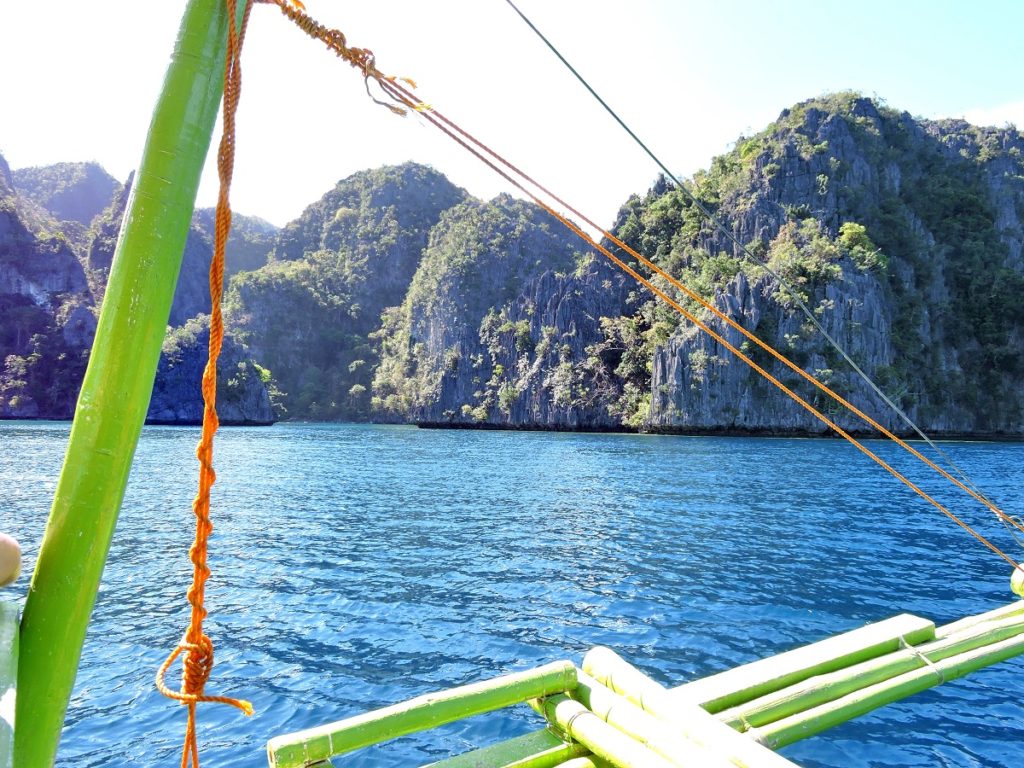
(398, 297)
(927, 213)
(460, 327)
(309, 313)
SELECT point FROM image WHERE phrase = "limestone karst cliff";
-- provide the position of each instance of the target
(399, 297)
(58, 229)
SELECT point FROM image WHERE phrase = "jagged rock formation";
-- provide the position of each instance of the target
(242, 391)
(42, 287)
(902, 235)
(496, 320)
(249, 242)
(52, 276)
(69, 191)
(6, 179)
(398, 297)
(308, 315)
(66, 196)
(99, 251)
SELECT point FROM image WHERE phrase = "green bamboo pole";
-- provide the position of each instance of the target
(115, 392)
(627, 717)
(321, 743)
(690, 720)
(1015, 608)
(582, 725)
(825, 688)
(540, 749)
(8, 680)
(741, 684)
(818, 719)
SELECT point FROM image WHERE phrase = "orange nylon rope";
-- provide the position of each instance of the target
(197, 661)
(391, 86)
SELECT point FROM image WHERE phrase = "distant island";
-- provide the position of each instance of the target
(398, 297)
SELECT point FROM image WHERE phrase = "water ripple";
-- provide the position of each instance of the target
(355, 566)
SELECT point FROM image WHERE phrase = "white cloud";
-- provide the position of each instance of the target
(998, 115)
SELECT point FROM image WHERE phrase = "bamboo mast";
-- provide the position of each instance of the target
(115, 393)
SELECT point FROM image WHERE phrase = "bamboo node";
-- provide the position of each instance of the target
(572, 719)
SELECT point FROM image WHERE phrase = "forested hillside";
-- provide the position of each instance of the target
(399, 297)
(58, 229)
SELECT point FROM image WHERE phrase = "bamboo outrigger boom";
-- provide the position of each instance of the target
(741, 684)
(612, 714)
(539, 749)
(318, 744)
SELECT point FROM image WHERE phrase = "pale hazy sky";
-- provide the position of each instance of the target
(80, 78)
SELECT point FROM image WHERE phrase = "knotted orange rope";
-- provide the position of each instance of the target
(197, 661)
(360, 58)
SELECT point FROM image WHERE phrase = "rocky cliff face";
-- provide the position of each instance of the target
(698, 385)
(397, 297)
(248, 244)
(242, 392)
(308, 315)
(52, 276)
(44, 305)
(67, 196)
(495, 324)
(69, 191)
(6, 179)
(902, 236)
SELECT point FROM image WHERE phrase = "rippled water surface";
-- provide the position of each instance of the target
(355, 566)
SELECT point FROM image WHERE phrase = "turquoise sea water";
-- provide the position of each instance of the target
(355, 566)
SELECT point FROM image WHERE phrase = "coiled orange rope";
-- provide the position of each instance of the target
(197, 661)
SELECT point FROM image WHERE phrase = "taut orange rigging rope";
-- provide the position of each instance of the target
(363, 59)
(1010, 522)
(195, 647)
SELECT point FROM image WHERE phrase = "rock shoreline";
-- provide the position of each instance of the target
(988, 437)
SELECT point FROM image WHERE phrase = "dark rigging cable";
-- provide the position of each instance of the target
(749, 256)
